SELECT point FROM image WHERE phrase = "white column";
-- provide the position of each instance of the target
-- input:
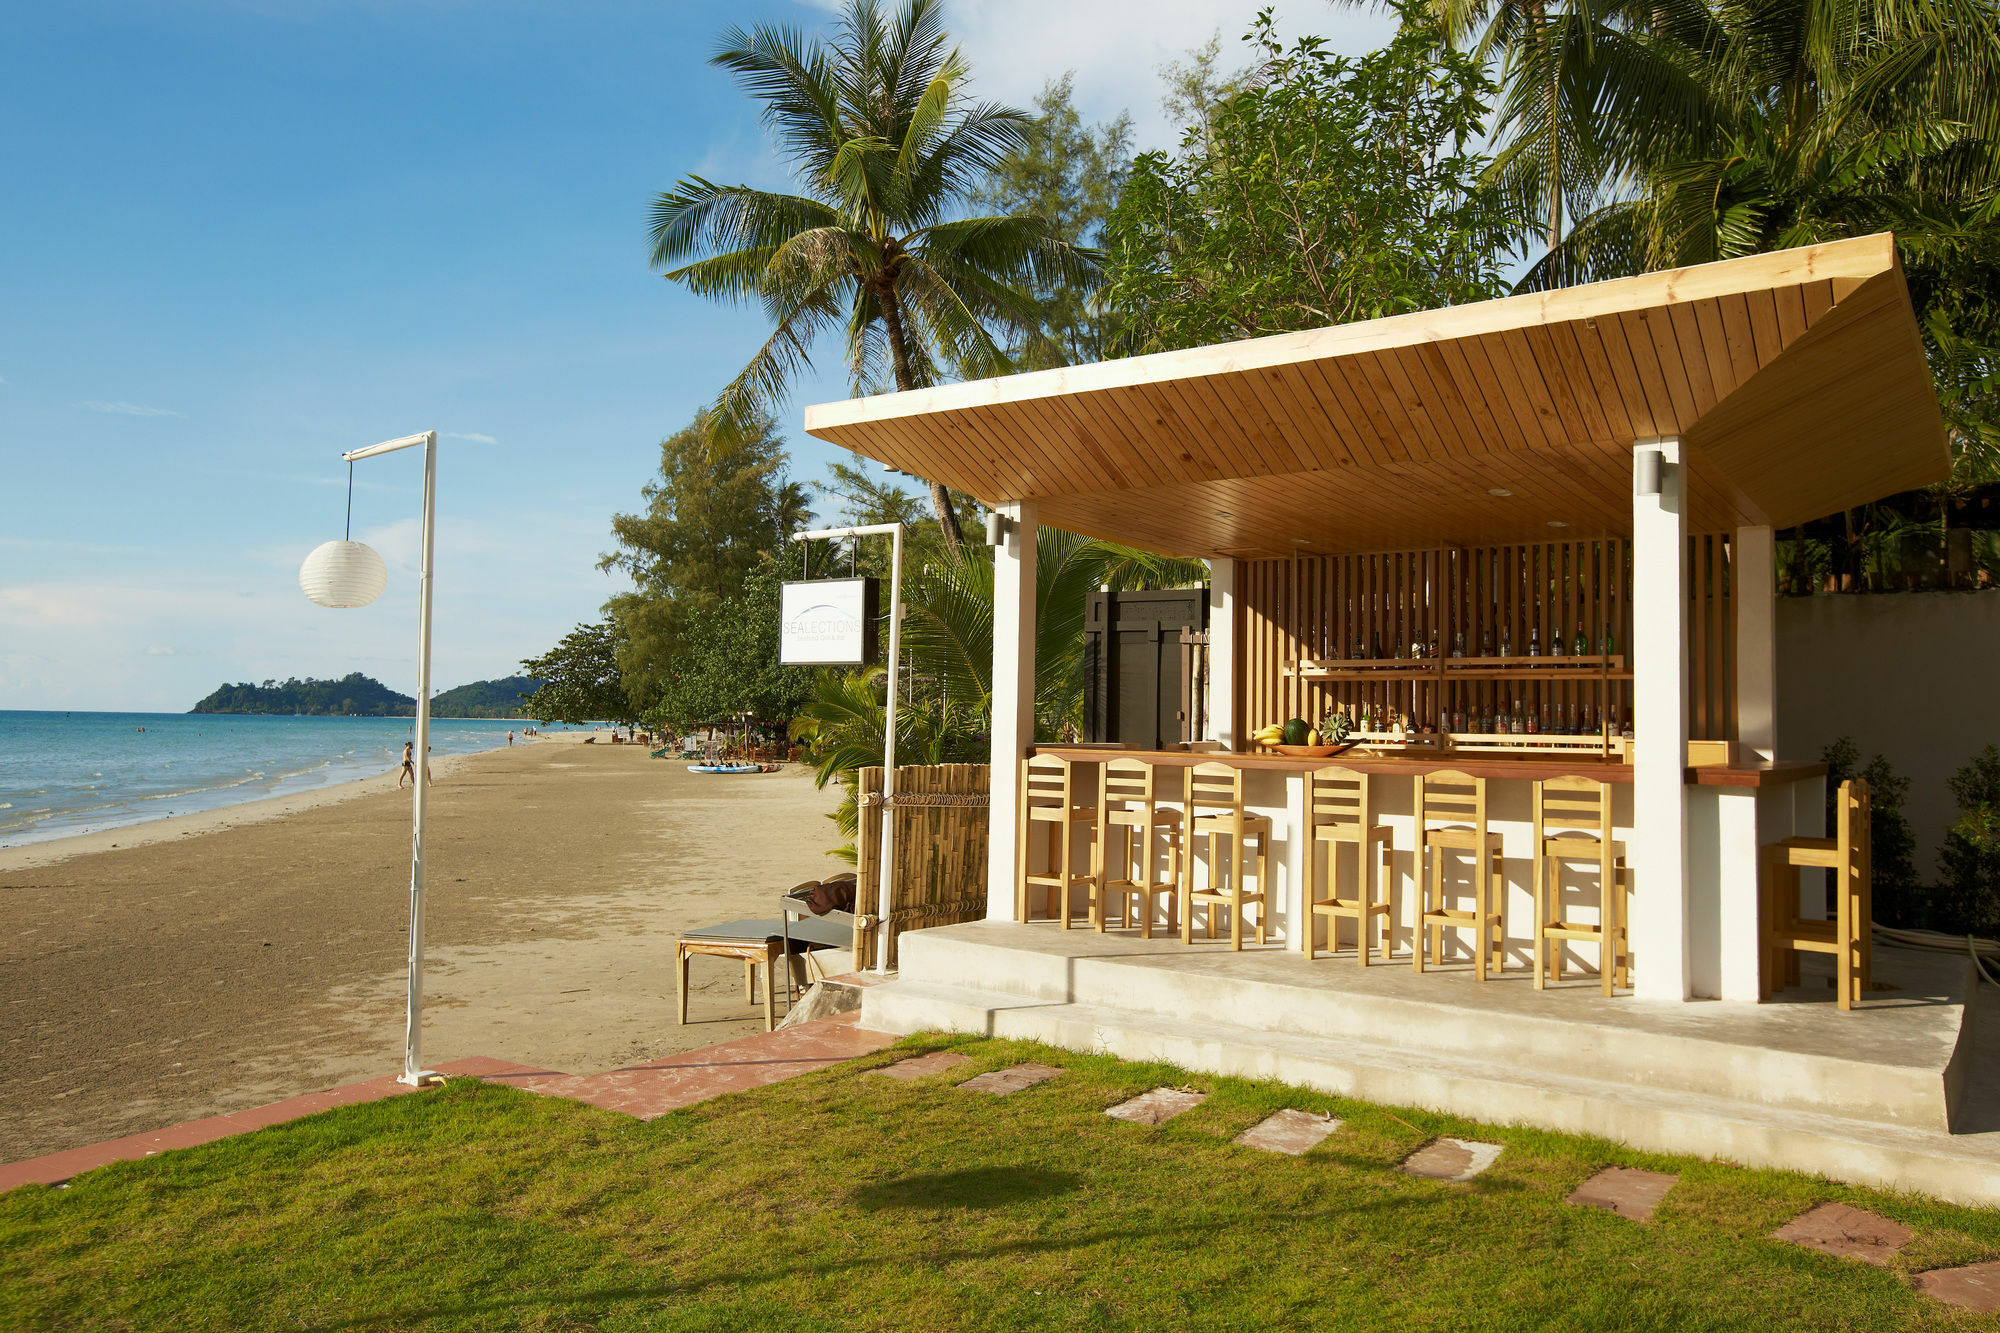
(1013, 699)
(1745, 819)
(1222, 723)
(1753, 591)
(1659, 922)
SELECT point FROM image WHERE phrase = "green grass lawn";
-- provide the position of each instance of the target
(837, 1201)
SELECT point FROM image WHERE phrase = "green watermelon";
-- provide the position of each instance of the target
(1297, 730)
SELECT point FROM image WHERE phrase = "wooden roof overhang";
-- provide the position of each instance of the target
(1796, 381)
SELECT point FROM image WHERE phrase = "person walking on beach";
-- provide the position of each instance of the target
(409, 769)
(510, 740)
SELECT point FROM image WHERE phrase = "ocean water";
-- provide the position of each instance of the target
(68, 773)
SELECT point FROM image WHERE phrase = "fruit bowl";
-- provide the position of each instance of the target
(1311, 751)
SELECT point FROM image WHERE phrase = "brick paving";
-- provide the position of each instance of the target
(1004, 1081)
(1846, 1231)
(921, 1066)
(1451, 1159)
(1158, 1106)
(1289, 1132)
(58, 1167)
(1975, 1287)
(1624, 1190)
(671, 1082)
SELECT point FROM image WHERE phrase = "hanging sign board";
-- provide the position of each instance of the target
(830, 622)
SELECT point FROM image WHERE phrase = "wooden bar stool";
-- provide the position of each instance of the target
(1573, 823)
(1049, 800)
(1218, 788)
(1451, 816)
(1133, 821)
(1342, 815)
(1849, 935)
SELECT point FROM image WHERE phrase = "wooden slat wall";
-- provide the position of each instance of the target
(1319, 606)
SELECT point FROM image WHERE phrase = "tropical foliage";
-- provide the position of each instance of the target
(1319, 191)
(580, 679)
(887, 144)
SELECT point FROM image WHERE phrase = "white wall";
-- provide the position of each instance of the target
(1914, 677)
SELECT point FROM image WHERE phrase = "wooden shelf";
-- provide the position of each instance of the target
(1592, 665)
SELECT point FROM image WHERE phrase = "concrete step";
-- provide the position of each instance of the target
(1709, 1050)
(1965, 1168)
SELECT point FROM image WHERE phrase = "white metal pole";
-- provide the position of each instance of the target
(885, 902)
(413, 1019)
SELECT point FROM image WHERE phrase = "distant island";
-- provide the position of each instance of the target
(356, 695)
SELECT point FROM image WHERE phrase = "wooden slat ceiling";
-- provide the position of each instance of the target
(1796, 381)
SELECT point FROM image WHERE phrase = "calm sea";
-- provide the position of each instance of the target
(67, 773)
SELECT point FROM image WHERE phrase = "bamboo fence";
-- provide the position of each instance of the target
(940, 849)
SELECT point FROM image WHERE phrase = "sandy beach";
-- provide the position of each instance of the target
(170, 970)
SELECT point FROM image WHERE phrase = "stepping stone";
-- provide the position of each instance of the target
(1624, 1190)
(1451, 1159)
(1158, 1106)
(1003, 1081)
(1850, 1233)
(921, 1066)
(1289, 1132)
(1975, 1287)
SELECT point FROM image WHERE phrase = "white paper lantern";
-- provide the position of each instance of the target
(343, 574)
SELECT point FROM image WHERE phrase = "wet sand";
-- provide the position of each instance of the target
(167, 971)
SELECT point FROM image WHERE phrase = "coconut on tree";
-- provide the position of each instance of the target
(888, 144)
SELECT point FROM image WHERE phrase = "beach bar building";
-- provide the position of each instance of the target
(1525, 547)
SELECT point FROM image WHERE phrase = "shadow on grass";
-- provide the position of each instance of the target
(983, 1187)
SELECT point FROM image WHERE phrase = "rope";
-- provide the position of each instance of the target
(348, 534)
(1980, 951)
(929, 800)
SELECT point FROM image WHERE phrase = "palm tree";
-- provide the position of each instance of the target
(887, 145)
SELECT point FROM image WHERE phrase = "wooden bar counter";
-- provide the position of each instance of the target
(1525, 767)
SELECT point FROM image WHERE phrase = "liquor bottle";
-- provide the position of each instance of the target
(1399, 647)
(1610, 644)
(1533, 728)
(1458, 644)
(1520, 724)
(1534, 641)
(1582, 640)
(1432, 651)
(1486, 643)
(1375, 649)
(1556, 645)
(1358, 651)
(1506, 643)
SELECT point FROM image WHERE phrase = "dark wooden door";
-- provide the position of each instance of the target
(1134, 693)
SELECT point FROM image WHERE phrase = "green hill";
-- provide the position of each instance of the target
(353, 695)
(485, 698)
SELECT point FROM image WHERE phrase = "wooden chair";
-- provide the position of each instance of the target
(1451, 816)
(1849, 935)
(1132, 823)
(1049, 800)
(1218, 788)
(1343, 815)
(1573, 823)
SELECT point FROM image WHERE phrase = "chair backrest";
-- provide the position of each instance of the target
(1047, 782)
(1128, 782)
(1851, 826)
(1215, 787)
(1340, 796)
(1451, 797)
(1573, 803)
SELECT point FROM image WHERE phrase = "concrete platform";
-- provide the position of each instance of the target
(1871, 1096)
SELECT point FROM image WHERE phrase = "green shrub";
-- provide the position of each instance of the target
(1899, 899)
(1968, 896)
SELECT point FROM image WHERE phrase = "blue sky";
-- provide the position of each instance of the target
(238, 238)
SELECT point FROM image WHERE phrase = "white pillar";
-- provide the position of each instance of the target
(1753, 591)
(1745, 819)
(1013, 699)
(1222, 724)
(1659, 921)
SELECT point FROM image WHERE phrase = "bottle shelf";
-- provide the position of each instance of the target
(1590, 667)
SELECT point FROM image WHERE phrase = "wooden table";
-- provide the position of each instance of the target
(753, 941)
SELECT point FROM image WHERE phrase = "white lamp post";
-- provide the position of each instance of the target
(348, 573)
(884, 900)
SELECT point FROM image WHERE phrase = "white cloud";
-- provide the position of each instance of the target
(469, 435)
(127, 409)
(159, 650)
(1117, 47)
